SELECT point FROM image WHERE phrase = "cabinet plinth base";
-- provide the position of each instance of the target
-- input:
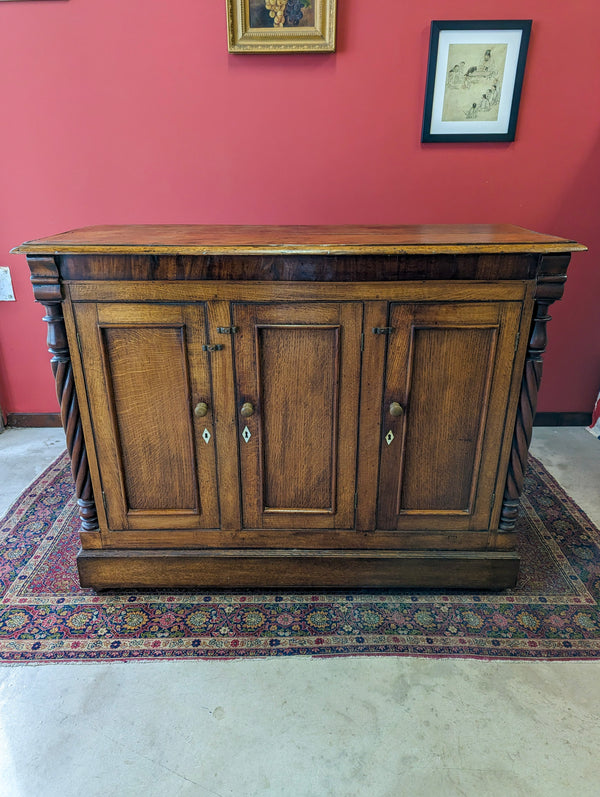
(330, 569)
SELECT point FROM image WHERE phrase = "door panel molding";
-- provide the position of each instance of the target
(449, 367)
(147, 364)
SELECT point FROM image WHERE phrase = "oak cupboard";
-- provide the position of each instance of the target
(298, 406)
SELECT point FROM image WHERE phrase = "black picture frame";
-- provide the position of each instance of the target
(471, 101)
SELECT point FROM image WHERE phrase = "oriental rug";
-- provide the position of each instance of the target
(553, 613)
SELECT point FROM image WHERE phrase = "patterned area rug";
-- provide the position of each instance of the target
(45, 616)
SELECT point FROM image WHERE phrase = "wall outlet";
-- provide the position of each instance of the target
(6, 288)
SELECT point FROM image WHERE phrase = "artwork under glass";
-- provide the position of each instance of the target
(474, 80)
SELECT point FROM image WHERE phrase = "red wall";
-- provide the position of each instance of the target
(118, 111)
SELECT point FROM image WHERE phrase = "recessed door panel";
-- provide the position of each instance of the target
(299, 412)
(146, 368)
(451, 373)
(298, 369)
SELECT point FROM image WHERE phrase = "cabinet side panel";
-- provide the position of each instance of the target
(149, 384)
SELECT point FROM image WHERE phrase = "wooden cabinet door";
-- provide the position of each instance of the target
(145, 374)
(449, 369)
(298, 372)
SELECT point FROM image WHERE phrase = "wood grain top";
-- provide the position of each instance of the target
(194, 239)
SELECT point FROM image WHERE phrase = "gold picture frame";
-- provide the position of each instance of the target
(281, 26)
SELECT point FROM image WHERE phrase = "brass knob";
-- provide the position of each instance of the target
(396, 409)
(201, 409)
(247, 410)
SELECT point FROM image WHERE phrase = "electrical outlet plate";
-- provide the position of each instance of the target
(6, 289)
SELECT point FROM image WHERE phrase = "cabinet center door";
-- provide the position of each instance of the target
(298, 372)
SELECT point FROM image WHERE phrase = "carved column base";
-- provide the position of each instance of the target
(88, 514)
(510, 511)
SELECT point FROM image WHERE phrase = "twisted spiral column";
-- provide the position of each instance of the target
(532, 377)
(550, 286)
(46, 289)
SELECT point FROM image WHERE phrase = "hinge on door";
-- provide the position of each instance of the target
(517, 339)
(355, 499)
(227, 330)
(493, 500)
(362, 341)
(104, 502)
(382, 330)
(78, 341)
(214, 347)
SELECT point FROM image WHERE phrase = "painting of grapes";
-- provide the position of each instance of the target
(281, 26)
(281, 13)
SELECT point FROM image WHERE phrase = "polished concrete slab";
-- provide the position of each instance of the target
(378, 727)
(572, 456)
(375, 726)
(24, 454)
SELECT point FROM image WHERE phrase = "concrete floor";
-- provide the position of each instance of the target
(368, 726)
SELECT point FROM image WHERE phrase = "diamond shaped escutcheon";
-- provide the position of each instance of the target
(389, 437)
(246, 434)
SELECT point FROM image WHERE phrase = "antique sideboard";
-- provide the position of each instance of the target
(298, 406)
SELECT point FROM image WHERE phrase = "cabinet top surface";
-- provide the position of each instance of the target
(195, 239)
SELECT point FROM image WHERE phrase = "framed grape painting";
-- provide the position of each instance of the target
(280, 26)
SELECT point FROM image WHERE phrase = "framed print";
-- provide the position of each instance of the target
(281, 26)
(474, 80)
